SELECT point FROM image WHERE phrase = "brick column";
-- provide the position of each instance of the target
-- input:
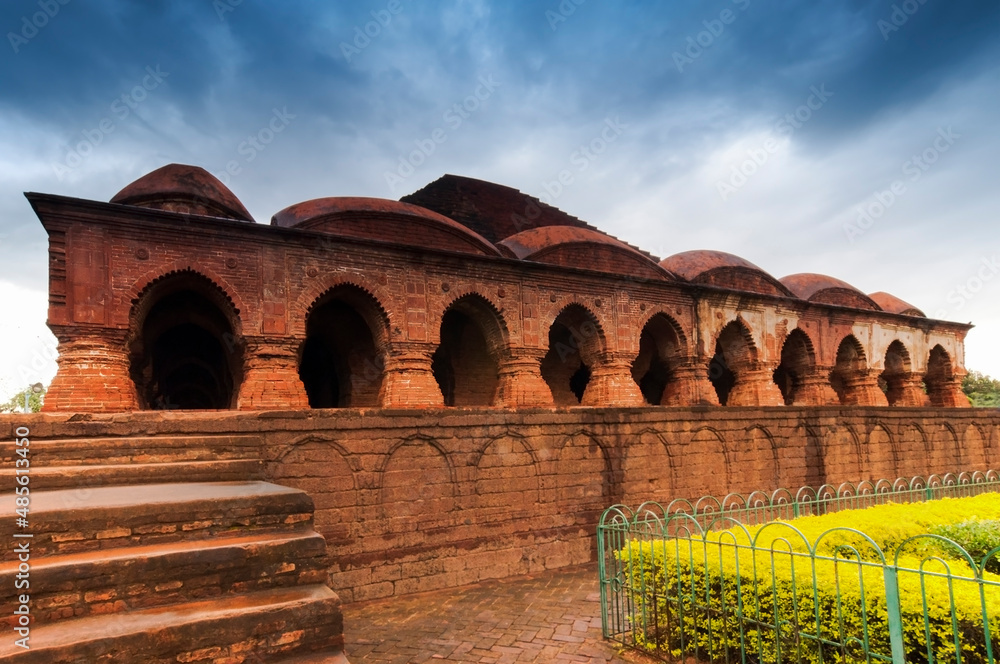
(611, 383)
(690, 386)
(948, 394)
(814, 389)
(521, 383)
(93, 374)
(862, 389)
(755, 387)
(271, 376)
(409, 381)
(911, 391)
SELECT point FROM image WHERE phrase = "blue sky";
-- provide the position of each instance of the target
(856, 138)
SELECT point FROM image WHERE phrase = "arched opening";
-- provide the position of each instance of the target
(797, 360)
(185, 354)
(466, 364)
(849, 370)
(897, 366)
(574, 345)
(734, 354)
(660, 348)
(939, 377)
(342, 362)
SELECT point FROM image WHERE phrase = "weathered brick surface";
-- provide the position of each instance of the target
(417, 500)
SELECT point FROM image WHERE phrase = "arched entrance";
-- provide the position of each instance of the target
(797, 361)
(466, 364)
(574, 345)
(734, 355)
(940, 379)
(185, 352)
(849, 372)
(660, 350)
(897, 368)
(342, 362)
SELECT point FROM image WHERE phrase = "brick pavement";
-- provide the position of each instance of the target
(550, 617)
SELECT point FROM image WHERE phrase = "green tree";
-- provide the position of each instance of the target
(983, 391)
(16, 403)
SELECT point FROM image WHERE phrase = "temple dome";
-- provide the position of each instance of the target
(573, 246)
(185, 189)
(894, 305)
(718, 268)
(385, 221)
(828, 290)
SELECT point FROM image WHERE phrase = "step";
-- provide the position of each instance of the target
(65, 477)
(324, 657)
(270, 624)
(76, 585)
(125, 450)
(68, 521)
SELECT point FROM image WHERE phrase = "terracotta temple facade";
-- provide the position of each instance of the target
(252, 423)
(465, 293)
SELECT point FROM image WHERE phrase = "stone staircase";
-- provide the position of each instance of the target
(165, 549)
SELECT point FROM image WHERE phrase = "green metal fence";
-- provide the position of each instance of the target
(690, 582)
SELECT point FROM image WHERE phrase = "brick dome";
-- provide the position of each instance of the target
(718, 268)
(894, 305)
(185, 189)
(828, 290)
(385, 221)
(572, 246)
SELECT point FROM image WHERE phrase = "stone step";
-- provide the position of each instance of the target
(324, 657)
(135, 578)
(257, 627)
(69, 521)
(94, 475)
(140, 449)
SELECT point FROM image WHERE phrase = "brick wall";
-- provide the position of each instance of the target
(411, 500)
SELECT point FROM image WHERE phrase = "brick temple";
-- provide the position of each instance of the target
(366, 398)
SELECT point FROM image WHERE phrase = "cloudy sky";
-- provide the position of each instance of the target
(856, 138)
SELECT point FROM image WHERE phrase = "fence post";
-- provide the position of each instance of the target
(895, 615)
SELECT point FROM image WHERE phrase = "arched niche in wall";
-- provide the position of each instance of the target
(575, 342)
(735, 353)
(661, 348)
(466, 364)
(797, 360)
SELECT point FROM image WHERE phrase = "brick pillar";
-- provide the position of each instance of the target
(815, 389)
(690, 386)
(755, 387)
(409, 381)
(93, 375)
(948, 393)
(611, 383)
(861, 389)
(521, 383)
(911, 392)
(271, 376)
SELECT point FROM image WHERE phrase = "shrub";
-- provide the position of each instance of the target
(807, 592)
(978, 537)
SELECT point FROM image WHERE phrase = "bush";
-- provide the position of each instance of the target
(979, 538)
(694, 591)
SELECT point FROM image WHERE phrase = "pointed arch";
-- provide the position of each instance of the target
(576, 341)
(342, 360)
(662, 348)
(473, 342)
(185, 343)
(897, 368)
(735, 354)
(850, 369)
(798, 359)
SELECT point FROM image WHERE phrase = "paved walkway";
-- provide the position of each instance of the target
(549, 617)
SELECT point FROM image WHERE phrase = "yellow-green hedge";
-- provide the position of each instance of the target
(706, 580)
